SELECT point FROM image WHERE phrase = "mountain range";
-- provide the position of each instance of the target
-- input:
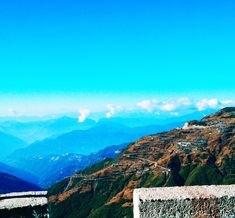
(50, 169)
(200, 153)
(55, 158)
(38, 130)
(9, 183)
(31, 129)
(85, 142)
(62, 146)
(9, 143)
(19, 173)
(150, 119)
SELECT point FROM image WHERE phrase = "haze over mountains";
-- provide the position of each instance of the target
(9, 143)
(92, 140)
(19, 173)
(39, 130)
(62, 146)
(73, 150)
(9, 183)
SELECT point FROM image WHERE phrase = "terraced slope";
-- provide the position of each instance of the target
(201, 153)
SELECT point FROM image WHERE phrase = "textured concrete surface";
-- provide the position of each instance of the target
(24, 205)
(17, 194)
(188, 201)
(23, 199)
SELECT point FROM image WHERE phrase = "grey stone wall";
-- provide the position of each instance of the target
(185, 202)
(24, 205)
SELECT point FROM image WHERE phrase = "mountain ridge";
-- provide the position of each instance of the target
(19, 173)
(9, 143)
(9, 183)
(38, 130)
(200, 153)
(92, 140)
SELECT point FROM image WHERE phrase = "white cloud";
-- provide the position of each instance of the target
(112, 109)
(83, 115)
(176, 104)
(174, 107)
(207, 103)
(213, 103)
(168, 106)
(108, 114)
(148, 105)
(152, 105)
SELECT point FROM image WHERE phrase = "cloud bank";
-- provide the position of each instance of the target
(173, 107)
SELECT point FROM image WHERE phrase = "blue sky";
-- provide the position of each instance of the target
(73, 54)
